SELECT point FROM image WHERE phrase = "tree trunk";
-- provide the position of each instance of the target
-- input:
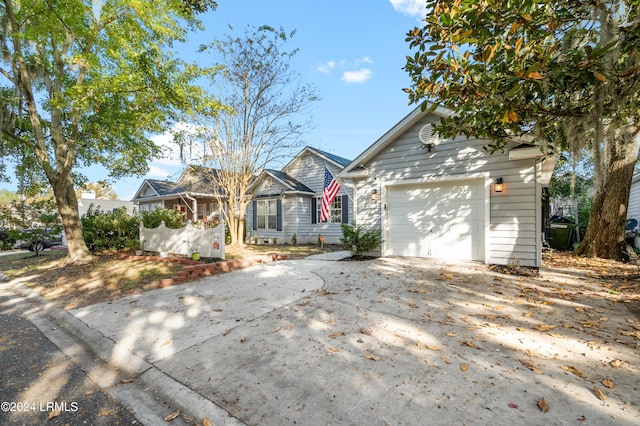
(67, 203)
(605, 235)
(240, 234)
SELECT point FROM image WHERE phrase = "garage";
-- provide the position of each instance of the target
(441, 220)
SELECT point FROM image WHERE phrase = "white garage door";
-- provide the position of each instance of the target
(444, 220)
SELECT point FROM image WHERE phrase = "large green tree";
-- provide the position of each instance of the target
(565, 73)
(86, 82)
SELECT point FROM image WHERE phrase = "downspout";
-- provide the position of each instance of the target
(194, 210)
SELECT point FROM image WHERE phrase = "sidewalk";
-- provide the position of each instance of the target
(387, 341)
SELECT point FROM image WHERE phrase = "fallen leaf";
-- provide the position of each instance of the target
(573, 370)
(616, 363)
(54, 413)
(332, 349)
(124, 381)
(542, 404)
(512, 405)
(530, 366)
(599, 393)
(445, 360)
(543, 327)
(365, 331)
(607, 383)
(429, 363)
(464, 367)
(334, 335)
(207, 422)
(372, 357)
(470, 344)
(172, 416)
(452, 334)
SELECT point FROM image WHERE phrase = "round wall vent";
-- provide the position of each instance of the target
(309, 161)
(426, 135)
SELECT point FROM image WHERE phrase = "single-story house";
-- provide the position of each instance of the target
(193, 194)
(286, 203)
(450, 198)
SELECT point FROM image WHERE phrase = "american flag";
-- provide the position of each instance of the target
(331, 188)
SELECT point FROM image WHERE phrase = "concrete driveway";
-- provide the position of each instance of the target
(388, 341)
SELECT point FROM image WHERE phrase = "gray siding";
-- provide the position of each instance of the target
(513, 213)
(633, 212)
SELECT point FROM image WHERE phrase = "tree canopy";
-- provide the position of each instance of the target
(562, 74)
(87, 83)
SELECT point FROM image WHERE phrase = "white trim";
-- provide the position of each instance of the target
(484, 177)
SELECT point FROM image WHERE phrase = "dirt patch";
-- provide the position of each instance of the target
(108, 277)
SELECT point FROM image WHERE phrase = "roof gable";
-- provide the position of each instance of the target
(282, 179)
(339, 162)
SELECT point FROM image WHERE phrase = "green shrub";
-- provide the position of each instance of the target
(172, 218)
(110, 231)
(7, 240)
(359, 241)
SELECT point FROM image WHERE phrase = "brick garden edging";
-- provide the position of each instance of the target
(193, 269)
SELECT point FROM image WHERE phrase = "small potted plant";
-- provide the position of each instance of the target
(195, 253)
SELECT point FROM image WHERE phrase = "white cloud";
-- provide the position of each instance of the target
(364, 60)
(158, 172)
(327, 67)
(409, 7)
(358, 76)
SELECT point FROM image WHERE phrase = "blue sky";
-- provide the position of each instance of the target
(352, 51)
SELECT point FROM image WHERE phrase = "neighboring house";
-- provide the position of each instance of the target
(286, 203)
(633, 211)
(440, 198)
(89, 199)
(193, 193)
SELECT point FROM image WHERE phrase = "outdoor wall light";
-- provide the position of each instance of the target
(499, 185)
(374, 195)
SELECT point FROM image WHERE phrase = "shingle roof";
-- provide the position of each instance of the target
(340, 160)
(288, 180)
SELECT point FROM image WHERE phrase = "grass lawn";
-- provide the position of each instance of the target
(108, 277)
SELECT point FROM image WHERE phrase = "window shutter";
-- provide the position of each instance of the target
(254, 208)
(345, 209)
(278, 215)
(314, 209)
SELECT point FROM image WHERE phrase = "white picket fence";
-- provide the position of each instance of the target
(186, 240)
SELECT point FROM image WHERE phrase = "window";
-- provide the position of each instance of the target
(335, 210)
(266, 214)
(202, 210)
